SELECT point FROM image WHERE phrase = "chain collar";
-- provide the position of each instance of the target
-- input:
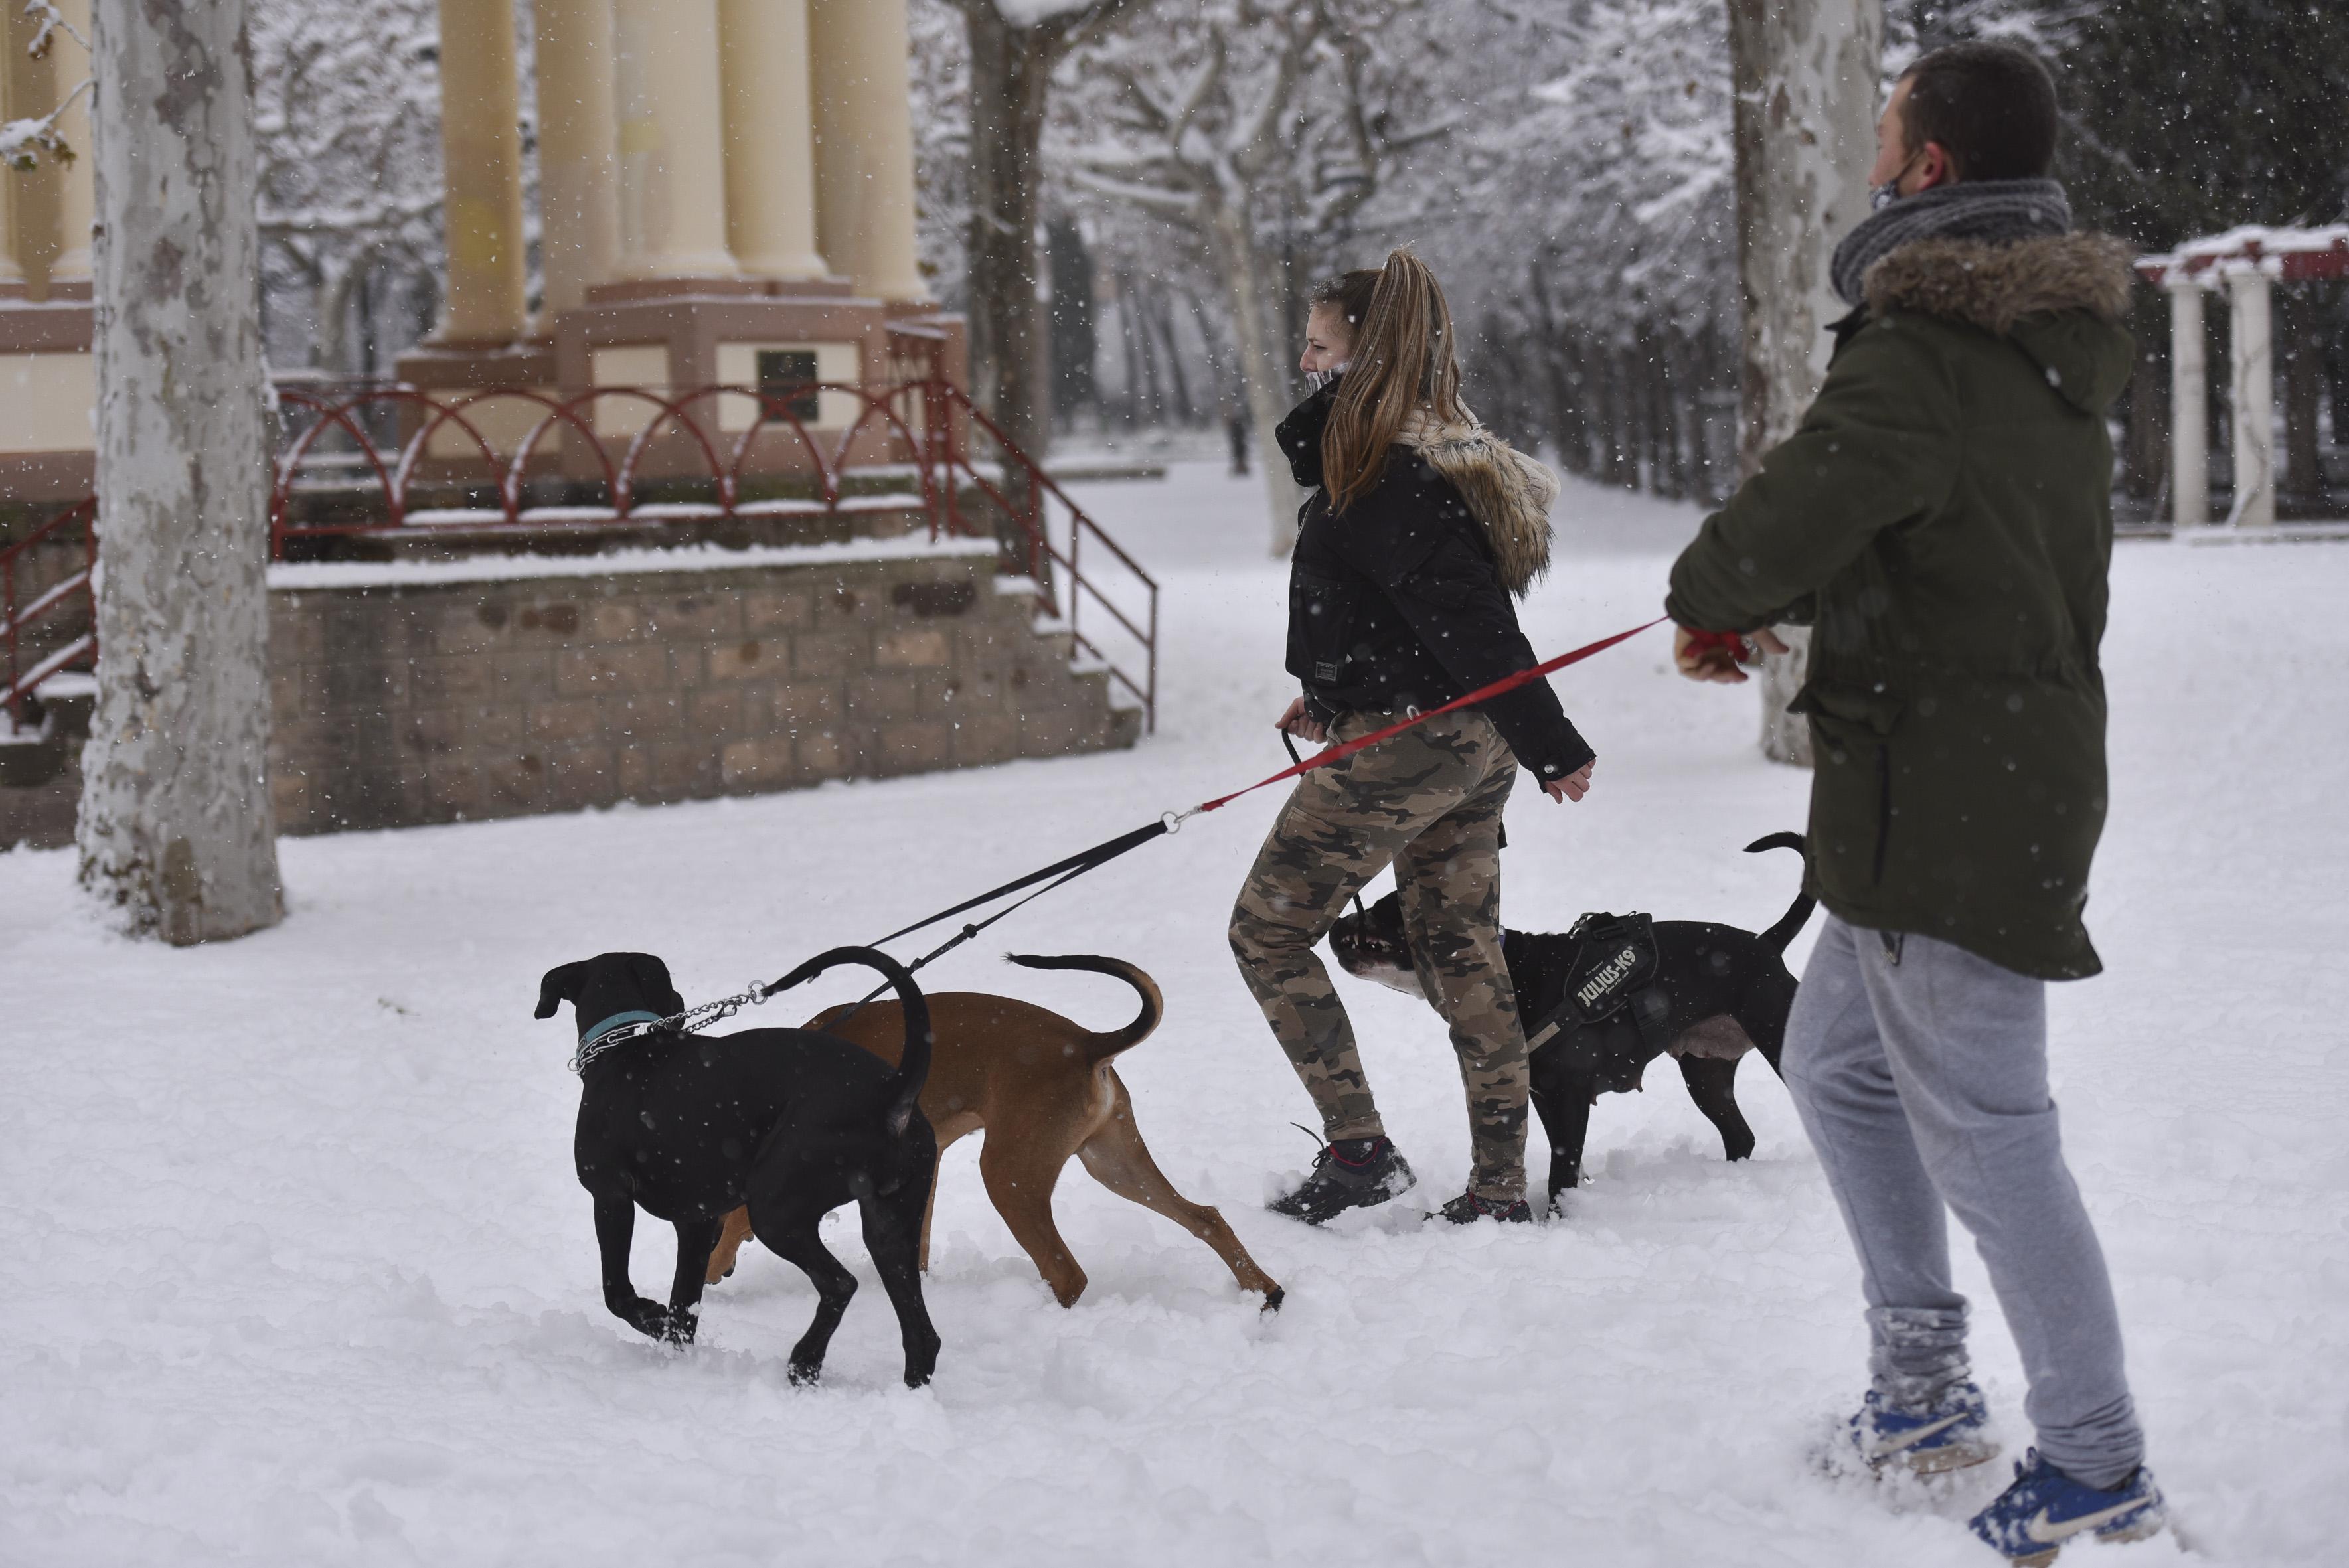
(621, 1028)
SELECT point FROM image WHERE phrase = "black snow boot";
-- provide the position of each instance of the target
(1468, 1207)
(1352, 1174)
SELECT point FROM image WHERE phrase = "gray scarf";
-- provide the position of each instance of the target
(1998, 211)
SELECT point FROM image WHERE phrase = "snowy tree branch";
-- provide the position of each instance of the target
(24, 142)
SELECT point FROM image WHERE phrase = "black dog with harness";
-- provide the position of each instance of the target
(1614, 993)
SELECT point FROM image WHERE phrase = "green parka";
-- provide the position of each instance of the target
(1942, 518)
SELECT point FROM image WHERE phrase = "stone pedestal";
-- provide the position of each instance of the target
(675, 342)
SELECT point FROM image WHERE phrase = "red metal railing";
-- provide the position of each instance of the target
(910, 440)
(959, 468)
(78, 647)
(912, 430)
(585, 455)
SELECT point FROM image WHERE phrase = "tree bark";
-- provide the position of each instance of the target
(2301, 350)
(1010, 84)
(175, 828)
(2146, 452)
(1805, 73)
(1264, 365)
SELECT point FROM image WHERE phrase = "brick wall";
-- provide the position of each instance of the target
(402, 702)
(405, 697)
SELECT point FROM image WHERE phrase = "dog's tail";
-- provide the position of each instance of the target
(1100, 1048)
(1778, 935)
(905, 1085)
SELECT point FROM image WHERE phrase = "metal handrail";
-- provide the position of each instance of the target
(928, 434)
(21, 682)
(1080, 526)
(941, 462)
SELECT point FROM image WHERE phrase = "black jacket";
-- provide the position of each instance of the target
(1400, 602)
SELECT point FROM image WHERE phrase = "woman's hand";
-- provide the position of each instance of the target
(1299, 723)
(1574, 786)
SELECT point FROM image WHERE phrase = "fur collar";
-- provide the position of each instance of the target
(1993, 286)
(1506, 492)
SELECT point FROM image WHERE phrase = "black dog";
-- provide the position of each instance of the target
(794, 1122)
(1716, 993)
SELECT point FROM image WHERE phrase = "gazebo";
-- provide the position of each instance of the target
(727, 195)
(2248, 263)
(471, 609)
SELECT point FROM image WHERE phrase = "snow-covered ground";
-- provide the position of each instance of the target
(298, 1271)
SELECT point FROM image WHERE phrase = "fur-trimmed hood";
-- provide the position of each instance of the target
(1993, 286)
(2059, 298)
(1506, 492)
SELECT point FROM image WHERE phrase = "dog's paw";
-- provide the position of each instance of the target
(805, 1374)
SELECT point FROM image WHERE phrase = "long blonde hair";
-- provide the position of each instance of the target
(1399, 362)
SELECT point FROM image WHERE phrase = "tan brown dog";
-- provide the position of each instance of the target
(1043, 1089)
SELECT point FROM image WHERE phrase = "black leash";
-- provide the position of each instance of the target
(1063, 874)
(1076, 866)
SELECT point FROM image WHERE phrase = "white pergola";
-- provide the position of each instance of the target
(2247, 262)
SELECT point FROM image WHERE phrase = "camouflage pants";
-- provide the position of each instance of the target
(1429, 800)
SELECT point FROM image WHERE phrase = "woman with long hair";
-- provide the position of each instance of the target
(1420, 528)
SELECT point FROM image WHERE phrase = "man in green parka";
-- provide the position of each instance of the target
(1941, 520)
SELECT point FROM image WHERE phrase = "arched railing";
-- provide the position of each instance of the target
(911, 432)
(911, 435)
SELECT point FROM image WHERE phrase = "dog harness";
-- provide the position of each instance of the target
(1611, 978)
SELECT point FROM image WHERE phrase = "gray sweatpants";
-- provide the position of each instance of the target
(1921, 1078)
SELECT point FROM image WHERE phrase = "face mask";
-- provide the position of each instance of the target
(1879, 197)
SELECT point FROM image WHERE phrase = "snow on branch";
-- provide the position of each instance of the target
(24, 142)
(51, 22)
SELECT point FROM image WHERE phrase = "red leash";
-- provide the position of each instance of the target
(1506, 683)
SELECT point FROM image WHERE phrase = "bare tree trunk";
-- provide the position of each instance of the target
(1263, 364)
(1162, 313)
(175, 825)
(1010, 81)
(1622, 417)
(1010, 73)
(2301, 350)
(2145, 453)
(1805, 75)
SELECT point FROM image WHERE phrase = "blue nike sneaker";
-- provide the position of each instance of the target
(2030, 1521)
(1950, 1435)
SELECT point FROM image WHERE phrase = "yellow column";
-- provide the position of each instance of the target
(77, 187)
(672, 144)
(481, 148)
(11, 107)
(578, 149)
(865, 145)
(770, 137)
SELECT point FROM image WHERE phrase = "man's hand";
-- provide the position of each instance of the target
(1299, 723)
(1715, 656)
(1574, 786)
